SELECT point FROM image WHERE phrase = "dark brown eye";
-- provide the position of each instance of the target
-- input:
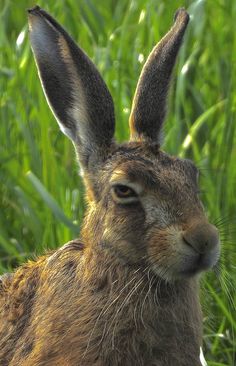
(123, 194)
(122, 191)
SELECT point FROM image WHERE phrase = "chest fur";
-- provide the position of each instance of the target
(111, 320)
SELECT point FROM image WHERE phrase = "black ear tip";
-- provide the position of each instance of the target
(36, 9)
(181, 15)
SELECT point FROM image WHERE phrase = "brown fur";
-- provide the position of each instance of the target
(89, 308)
(127, 292)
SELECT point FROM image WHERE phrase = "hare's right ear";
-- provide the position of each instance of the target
(75, 91)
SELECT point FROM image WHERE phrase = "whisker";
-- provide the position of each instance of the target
(105, 310)
(120, 308)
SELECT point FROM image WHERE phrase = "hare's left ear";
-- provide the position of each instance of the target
(148, 109)
(74, 89)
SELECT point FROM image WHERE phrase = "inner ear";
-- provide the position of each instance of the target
(74, 89)
(149, 104)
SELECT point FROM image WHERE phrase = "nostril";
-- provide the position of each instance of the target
(202, 237)
(203, 247)
(186, 241)
(190, 243)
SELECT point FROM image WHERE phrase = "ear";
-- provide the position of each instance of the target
(148, 109)
(74, 89)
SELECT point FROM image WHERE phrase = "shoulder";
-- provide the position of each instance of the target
(18, 289)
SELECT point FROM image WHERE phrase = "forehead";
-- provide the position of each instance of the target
(138, 162)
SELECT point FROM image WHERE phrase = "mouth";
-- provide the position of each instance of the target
(175, 256)
(199, 262)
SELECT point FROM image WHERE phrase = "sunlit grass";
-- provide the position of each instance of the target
(41, 193)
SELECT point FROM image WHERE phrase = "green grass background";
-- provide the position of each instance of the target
(41, 194)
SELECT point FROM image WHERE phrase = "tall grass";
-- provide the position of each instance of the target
(41, 194)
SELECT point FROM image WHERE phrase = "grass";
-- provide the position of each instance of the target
(41, 194)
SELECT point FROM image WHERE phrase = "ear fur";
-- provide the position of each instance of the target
(74, 89)
(148, 108)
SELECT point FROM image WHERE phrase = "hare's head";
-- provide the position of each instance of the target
(143, 204)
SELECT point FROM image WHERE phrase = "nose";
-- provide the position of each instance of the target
(202, 237)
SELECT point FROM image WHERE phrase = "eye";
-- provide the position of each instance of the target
(123, 193)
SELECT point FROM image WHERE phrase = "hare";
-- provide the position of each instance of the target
(126, 293)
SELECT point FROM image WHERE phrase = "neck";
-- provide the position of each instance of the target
(139, 317)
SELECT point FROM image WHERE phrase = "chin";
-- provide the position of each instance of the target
(197, 264)
(188, 266)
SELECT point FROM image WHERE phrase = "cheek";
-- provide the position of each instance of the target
(125, 221)
(124, 231)
(164, 247)
(160, 250)
(156, 213)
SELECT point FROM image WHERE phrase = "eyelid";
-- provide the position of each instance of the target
(118, 177)
(137, 188)
(124, 200)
